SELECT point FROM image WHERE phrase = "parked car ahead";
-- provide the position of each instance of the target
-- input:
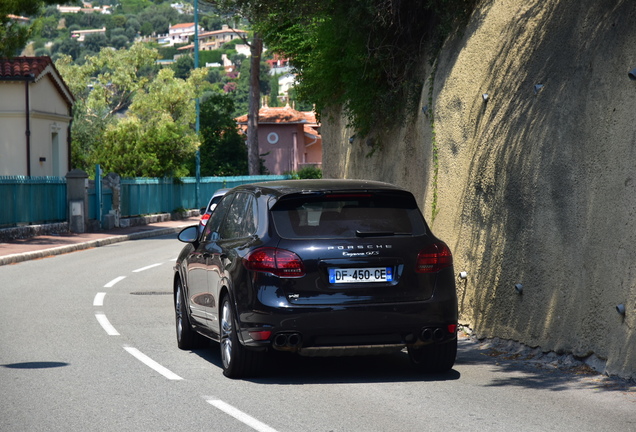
(316, 267)
(207, 211)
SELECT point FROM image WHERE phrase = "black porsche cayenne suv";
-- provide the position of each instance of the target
(319, 268)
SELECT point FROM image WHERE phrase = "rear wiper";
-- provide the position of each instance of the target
(378, 233)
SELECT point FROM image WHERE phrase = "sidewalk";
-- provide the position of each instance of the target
(19, 250)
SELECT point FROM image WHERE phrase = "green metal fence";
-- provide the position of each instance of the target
(38, 200)
(32, 200)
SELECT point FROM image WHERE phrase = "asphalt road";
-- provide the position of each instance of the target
(87, 343)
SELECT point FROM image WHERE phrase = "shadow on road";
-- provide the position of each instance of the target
(292, 369)
(35, 365)
(509, 369)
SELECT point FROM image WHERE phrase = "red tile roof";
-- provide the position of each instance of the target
(310, 116)
(277, 115)
(308, 130)
(23, 66)
(182, 25)
(33, 69)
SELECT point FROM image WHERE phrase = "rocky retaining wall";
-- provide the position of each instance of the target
(533, 185)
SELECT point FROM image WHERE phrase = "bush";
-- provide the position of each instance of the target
(310, 172)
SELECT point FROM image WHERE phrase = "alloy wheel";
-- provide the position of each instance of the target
(226, 334)
(179, 312)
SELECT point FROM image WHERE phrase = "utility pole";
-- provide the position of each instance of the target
(197, 160)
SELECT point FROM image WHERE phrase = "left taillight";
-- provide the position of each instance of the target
(433, 258)
(280, 262)
(204, 218)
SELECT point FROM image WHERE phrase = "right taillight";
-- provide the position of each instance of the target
(435, 257)
(280, 262)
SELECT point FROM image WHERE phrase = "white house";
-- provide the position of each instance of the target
(81, 34)
(243, 49)
(182, 8)
(215, 39)
(180, 33)
(35, 117)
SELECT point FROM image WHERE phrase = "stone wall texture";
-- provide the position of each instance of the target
(535, 186)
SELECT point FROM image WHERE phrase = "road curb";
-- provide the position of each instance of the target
(60, 250)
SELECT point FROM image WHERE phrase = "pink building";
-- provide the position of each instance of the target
(288, 140)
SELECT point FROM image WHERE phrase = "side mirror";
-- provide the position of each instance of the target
(189, 234)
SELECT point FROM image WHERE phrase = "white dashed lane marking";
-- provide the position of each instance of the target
(152, 364)
(106, 325)
(241, 416)
(147, 267)
(114, 281)
(99, 299)
(167, 373)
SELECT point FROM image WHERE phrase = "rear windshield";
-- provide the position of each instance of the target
(348, 215)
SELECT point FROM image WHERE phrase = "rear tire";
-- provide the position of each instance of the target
(238, 361)
(187, 337)
(434, 358)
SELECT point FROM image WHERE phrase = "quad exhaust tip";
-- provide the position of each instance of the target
(287, 340)
(434, 334)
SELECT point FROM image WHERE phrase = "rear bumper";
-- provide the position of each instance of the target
(350, 327)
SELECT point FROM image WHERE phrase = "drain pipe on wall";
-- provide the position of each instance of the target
(27, 115)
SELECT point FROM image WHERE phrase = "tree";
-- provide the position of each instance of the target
(183, 66)
(91, 20)
(87, 131)
(223, 151)
(68, 46)
(249, 10)
(243, 83)
(273, 95)
(159, 17)
(13, 33)
(133, 148)
(120, 41)
(94, 42)
(48, 27)
(156, 137)
(116, 21)
(111, 78)
(363, 55)
(146, 29)
(171, 96)
(103, 85)
(253, 159)
(133, 24)
(132, 6)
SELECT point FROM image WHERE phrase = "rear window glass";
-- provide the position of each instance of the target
(348, 215)
(214, 202)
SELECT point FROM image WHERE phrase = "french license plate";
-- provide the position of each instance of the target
(356, 275)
